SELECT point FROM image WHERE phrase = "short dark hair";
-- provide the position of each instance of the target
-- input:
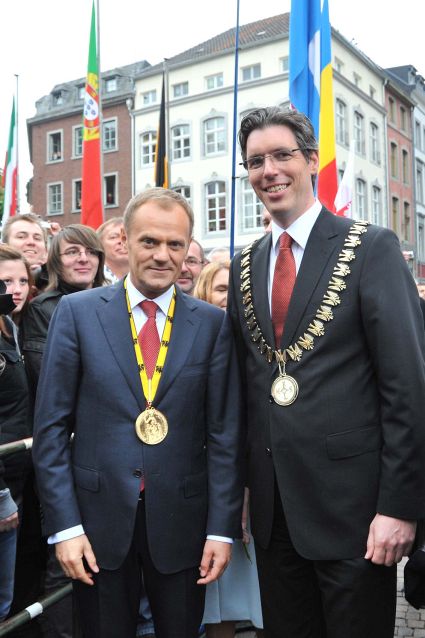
(74, 234)
(297, 122)
(164, 197)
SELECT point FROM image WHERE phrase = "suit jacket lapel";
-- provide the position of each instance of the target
(186, 324)
(260, 288)
(320, 246)
(113, 317)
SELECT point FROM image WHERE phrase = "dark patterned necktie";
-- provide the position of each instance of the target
(149, 337)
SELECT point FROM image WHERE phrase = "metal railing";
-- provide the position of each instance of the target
(34, 610)
(15, 446)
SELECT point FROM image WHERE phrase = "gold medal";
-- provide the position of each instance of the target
(151, 426)
(284, 389)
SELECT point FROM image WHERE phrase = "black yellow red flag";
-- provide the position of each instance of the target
(161, 160)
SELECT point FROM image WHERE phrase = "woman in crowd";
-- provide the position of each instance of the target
(15, 421)
(236, 595)
(75, 262)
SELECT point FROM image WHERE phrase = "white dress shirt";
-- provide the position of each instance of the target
(135, 298)
(300, 231)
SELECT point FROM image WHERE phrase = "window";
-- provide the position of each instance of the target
(81, 92)
(110, 85)
(76, 195)
(394, 213)
(180, 142)
(251, 207)
(341, 123)
(284, 64)
(338, 65)
(215, 195)
(185, 191)
(109, 138)
(77, 141)
(54, 146)
(214, 81)
(149, 97)
(374, 143)
(361, 198)
(58, 98)
(406, 221)
(420, 181)
(403, 119)
(418, 137)
(405, 166)
(359, 135)
(372, 91)
(251, 72)
(391, 109)
(147, 148)
(357, 79)
(376, 205)
(54, 199)
(214, 135)
(181, 89)
(394, 160)
(110, 196)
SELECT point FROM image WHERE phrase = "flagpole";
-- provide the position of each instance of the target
(235, 121)
(102, 185)
(18, 206)
(167, 119)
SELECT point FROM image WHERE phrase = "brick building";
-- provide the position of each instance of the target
(55, 136)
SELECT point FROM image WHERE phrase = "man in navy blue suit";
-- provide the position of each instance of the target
(152, 476)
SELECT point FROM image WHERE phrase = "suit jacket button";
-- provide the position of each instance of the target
(138, 473)
(268, 451)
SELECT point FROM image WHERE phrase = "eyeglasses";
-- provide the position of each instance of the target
(73, 253)
(280, 156)
(192, 261)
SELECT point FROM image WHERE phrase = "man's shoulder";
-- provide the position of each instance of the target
(93, 296)
(202, 307)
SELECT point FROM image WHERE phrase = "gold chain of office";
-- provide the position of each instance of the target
(325, 312)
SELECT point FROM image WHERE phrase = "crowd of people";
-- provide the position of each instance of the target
(179, 399)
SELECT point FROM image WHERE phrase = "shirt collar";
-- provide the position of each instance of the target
(300, 229)
(135, 297)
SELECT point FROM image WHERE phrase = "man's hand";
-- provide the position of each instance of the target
(70, 554)
(389, 540)
(11, 522)
(214, 561)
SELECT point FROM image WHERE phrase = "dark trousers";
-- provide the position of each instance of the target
(109, 608)
(322, 599)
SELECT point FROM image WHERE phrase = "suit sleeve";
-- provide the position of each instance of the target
(53, 424)
(394, 333)
(223, 413)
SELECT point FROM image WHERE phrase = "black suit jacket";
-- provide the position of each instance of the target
(90, 385)
(353, 442)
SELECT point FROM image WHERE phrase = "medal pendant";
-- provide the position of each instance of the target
(284, 389)
(151, 426)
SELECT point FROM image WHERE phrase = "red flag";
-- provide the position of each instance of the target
(91, 188)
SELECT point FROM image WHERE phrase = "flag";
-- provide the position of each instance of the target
(344, 196)
(10, 173)
(310, 85)
(161, 160)
(91, 187)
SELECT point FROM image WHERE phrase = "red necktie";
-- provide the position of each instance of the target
(149, 337)
(283, 284)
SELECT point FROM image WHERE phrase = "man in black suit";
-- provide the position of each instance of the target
(152, 477)
(335, 397)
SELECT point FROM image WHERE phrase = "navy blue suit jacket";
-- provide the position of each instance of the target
(90, 385)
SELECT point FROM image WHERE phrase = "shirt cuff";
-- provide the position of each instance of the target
(66, 535)
(222, 539)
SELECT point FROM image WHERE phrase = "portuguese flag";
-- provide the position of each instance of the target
(91, 187)
(10, 173)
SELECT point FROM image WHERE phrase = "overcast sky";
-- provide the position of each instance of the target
(46, 42)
